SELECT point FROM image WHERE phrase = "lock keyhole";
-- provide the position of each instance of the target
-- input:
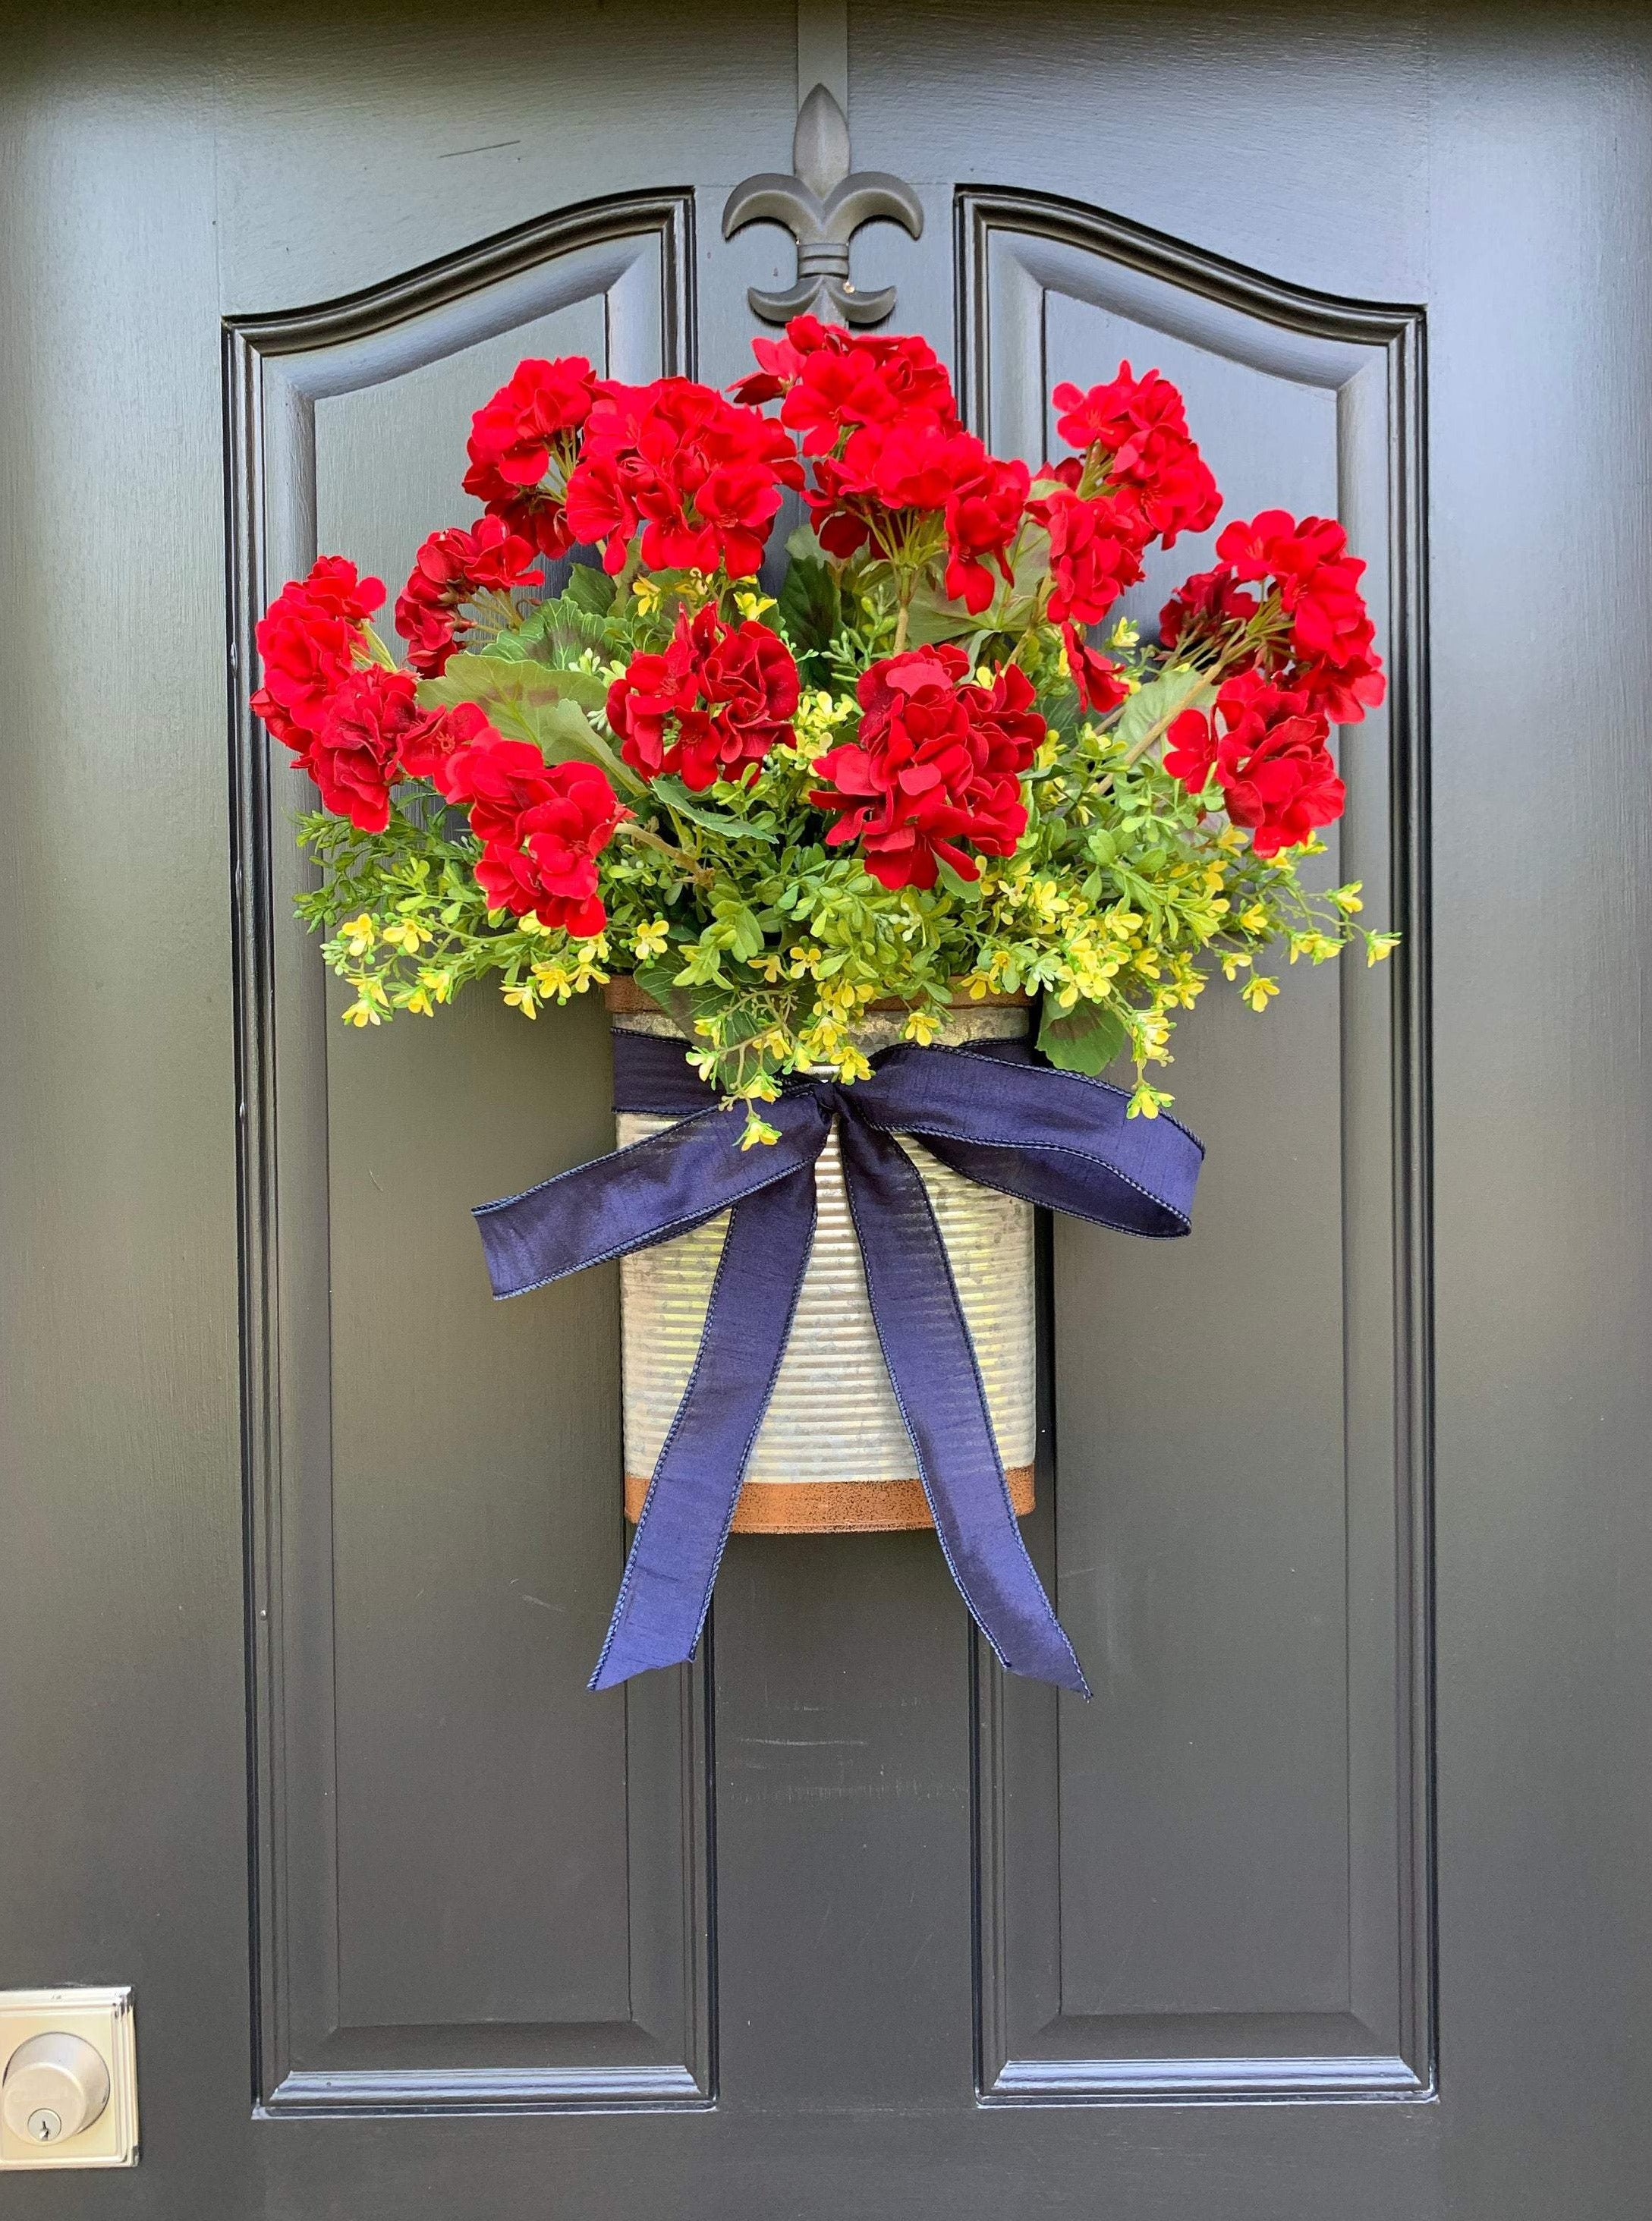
(45, 2126)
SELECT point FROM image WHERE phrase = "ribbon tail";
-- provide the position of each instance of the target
(680, 1539)
(938, 1385)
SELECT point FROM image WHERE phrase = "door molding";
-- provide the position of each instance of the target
(1012, 251)
(635, 253)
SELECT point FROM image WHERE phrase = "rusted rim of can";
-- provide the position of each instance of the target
(836, 1507)
(624, 998)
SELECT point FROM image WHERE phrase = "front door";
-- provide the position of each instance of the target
(1331, 1903)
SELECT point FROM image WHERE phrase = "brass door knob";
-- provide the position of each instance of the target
(55, 2085)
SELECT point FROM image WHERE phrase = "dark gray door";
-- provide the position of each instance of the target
(1334, 1903)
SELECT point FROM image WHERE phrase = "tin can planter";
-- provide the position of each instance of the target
(832, 1455)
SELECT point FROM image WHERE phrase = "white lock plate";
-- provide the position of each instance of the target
(104, 2018)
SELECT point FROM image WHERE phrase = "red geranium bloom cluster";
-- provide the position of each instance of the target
(451, 569)
(1266, 744)
(1095, 549)
(936, 762)
(1327, 651)
(523, 444)
(358, 750)
(710, 707)
(1205, 607)
(541, 826)
(307, 641)
(1140, 478)
(833, 380)
(356, 728)
(891, 455)
(700, 476)
(1136, 430)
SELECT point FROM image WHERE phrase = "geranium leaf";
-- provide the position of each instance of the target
(590, 590)
(684, 1004)
(934, 618)
(809, 605)
(670, 791)
(803, 546)
(510, 683)
(531, 702)
(561, 730)
(968, 890)
(1159, 701)
(1087, 1038)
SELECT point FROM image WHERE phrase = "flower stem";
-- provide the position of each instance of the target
(632, 830)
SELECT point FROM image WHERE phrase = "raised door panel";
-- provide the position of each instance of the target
(1213, 1881)
(479, 1883)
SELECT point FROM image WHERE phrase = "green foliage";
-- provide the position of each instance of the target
(590, 589)
(1087, 1038)
(530, 701)
(1149, 712)
(809, 611)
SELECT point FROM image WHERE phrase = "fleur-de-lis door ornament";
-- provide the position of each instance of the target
(823, 206)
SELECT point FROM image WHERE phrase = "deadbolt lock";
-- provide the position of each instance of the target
(55, 2085)
(68, 2083)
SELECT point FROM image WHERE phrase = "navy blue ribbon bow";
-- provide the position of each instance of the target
(992, 1113)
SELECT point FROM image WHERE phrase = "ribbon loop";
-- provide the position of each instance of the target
(994, 1115)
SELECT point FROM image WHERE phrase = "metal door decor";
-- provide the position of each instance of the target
(830, 853)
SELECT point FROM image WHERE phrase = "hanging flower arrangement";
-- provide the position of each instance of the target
(935, 765)
(915, 764)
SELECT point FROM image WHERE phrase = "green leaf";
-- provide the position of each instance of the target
(671, 792)
(588, 688)
(684, 1004)
(530, 702)
(1011, 611)
(934, 618)
(558, 631)
(590, 590)
(803, 546)
(1161, 700)
(561, 729)
(809, 608)
(968, 890)
(1087, 1038)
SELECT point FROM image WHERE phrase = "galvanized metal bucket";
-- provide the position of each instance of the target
(832, 1456)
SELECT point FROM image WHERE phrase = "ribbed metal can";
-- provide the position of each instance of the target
(832, 1455)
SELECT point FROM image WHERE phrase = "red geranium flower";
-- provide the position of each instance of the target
(835, 381)
(431, 749)
(1327, 649)
(1137, 427)
(356, 751)
(934, 763)
(1101, 688)
(887, 471)
(714, 704)
(522, 446)
(1095, 552)
(306, 644)
(1205, 606)
(699, 476)
(983, 515)
(1006, 725)
(451, 568)
(1267, 747)
(878, 415)
(333, 583)
(541, 826)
